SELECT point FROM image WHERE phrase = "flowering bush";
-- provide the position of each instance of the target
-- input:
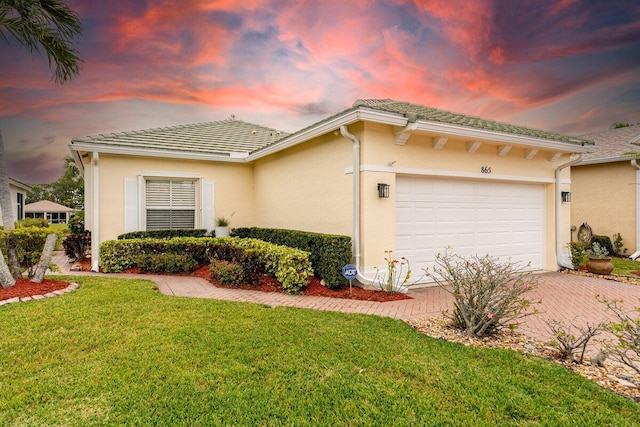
(488, 294)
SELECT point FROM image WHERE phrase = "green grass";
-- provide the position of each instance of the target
(117, 352)
(625, 266)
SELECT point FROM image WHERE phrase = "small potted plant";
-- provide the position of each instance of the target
(599, 260)
(222, 227)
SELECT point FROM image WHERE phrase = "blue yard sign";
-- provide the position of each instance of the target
(349, 271)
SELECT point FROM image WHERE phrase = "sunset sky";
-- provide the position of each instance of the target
(562, 65)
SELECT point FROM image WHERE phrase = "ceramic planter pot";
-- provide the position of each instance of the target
(222, 231)
(600, 265)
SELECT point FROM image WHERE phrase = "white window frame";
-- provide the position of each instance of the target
(135, 206)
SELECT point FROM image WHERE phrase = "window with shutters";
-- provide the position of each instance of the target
(170, 204)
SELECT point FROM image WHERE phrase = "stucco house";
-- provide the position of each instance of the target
(18, 192)
(394, 176)
(605, 190)
(55, 213)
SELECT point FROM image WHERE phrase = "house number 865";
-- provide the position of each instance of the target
(485, 169)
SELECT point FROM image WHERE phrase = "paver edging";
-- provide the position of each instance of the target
(72, 287)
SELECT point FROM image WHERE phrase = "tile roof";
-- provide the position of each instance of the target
(614, 143)
(221, 137)
(419, 112)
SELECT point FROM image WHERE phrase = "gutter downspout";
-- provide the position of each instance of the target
(356, 203)
(95, 233)
(559, 169)
(634, 163)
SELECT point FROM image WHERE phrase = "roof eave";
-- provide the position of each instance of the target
(22, 185)
(510, 138)
(78, 147)
(601, 160)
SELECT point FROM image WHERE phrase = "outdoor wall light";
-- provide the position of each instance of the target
(383, 191)
(566, 196)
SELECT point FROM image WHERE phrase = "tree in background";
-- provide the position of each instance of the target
(68, 190)
(52, 26)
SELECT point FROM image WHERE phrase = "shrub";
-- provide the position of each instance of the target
(76, 245)
(566, 340)
(578, 253)
(225, 251)
(487, 293)
(118, 255)
(166, 263)
(227, 272)
(627, 333)
(618, 244)
(30, 243)
(291, 267)
(32, 222)
(163, 234)
(76, 223)
(328, 252)
(604, 242)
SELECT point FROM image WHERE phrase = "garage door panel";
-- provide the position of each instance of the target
(473, 217)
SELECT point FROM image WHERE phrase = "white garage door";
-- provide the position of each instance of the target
(505, 220)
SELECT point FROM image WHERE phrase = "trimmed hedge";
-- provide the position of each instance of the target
(164, 234)
(328, 252)
(165, 263)
(290, 266)
(227, 272)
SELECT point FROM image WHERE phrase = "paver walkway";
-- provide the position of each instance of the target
(565, 297)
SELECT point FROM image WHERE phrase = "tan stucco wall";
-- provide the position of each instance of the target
(604, 196)
(14, 200)
(306, 187)
(233, 188)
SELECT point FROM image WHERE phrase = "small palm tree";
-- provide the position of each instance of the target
(47, 24)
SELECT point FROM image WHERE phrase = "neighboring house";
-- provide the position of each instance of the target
(54, 213)
(605, 187)
(424, 179)
(18, 196)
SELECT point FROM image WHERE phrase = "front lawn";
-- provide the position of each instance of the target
(117, 352)
(625, 266)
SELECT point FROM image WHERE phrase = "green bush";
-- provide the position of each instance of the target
(76, 245)
(163, 234)
(328, 252)
(166, 263)
(118, 255)
(604, 242)
(578, 253)
(290, 266)
(32, 222)
(227, 272)
(76, 223)
(29, 242)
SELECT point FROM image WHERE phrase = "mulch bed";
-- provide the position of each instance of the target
(25, 288)
(314, 288)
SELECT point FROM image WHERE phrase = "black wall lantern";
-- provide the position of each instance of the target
(383, 191)
(566, 196)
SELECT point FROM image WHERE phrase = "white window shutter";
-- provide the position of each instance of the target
(208, 220)
(131, 205)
